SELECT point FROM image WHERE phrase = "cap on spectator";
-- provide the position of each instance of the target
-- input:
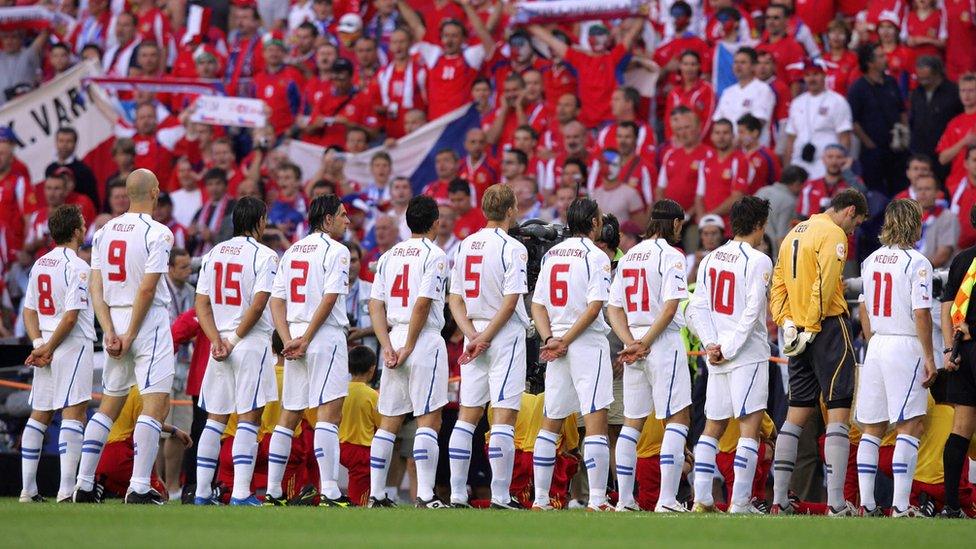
(7, 134)
(888, 16)
(202, 53)
(630, 228)
(350, 23)
(356, 202)
(64, 172)
(273, 38)
(811, 65)
(711, 220)
(597, 28)
(341, 65)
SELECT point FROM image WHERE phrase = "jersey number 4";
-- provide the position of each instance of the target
(224, 280)
(882, 292)
(400, 287)
(722, 284)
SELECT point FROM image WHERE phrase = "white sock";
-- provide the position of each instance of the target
(705, 452)
(279, 450)
(379, 461)
(69, 446)
(425, 453)
(208, 450)
(30, 454)
(327, 456)
(784, 459)
(903, 463)
(837, 448)
(145, 440)
(744, 468)
(867, 468)
(596, 457)
(626, 457)
(243, 451)
(459, 452)
(96, 432)
(501, 458)
(672, 458)
(543, 461)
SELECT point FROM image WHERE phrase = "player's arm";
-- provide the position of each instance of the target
(668, 311)
(556, 47)
(478, 26)
(755, 311)
(279, 302)
(618, 323)
(831, 255)
(543, 325)
(862, 313)
(431, 287)
(922, 311)
(412, 20)
(377, 315)
(699, 314)
(634, 26)
(156, 264)
(205, 317)
(779, 305)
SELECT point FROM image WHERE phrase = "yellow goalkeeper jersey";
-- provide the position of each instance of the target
(807, 285)
(730, 438)
(360, 418)
(649, 443)
(125, 424)
(529, 423)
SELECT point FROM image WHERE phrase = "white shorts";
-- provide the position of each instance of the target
(581, 381)
(736, 392)
(498, 374)
(68, 380)
(661, 382)
(420, 385)
(890, 381)
(150, 363)
(322, 375)
(243, 382)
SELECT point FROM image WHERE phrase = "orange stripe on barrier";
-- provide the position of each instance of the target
(775, 359)
(95, 396)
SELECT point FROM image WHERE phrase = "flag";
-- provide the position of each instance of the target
(722, 76)
(413, 155)
(960, 305)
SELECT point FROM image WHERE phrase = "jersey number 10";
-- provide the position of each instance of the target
(722, 284)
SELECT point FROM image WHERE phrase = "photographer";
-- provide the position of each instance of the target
(960, 362)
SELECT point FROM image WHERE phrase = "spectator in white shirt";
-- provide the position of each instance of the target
(818, 117)
(188, 199)
(749, 95)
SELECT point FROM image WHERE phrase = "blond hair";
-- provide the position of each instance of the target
(902, 224)
(497, 201)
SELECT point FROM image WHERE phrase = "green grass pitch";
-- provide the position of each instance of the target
(174, 525)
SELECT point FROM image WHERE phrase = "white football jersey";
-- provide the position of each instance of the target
(59, 283)
(312, 267)
(730, 302)
(896, 282)
(125, 250)
(411, 269)
(574, 274)
(490, 265)
(231, 274)
(649, 275)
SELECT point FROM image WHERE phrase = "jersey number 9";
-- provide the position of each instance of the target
(116, 258)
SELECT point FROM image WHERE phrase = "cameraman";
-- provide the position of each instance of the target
(960, 363)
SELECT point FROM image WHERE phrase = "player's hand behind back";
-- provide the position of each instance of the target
(112, 345)
(930, 373)
(402, 354)
(473, 349)
(389, 357)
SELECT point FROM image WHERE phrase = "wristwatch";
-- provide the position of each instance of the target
(947, 350)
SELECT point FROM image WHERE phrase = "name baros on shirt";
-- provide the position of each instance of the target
(231, 250)
(887, 259)
(123, 227)
(406, 252)
(725, 257)
(566, 252)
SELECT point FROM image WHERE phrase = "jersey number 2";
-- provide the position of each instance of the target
(298, 282)
(882, 291)
(723, 291)
(224, 279)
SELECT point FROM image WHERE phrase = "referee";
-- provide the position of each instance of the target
(807, 300)
(960, 390)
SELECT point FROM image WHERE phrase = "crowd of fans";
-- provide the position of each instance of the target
(816, 96)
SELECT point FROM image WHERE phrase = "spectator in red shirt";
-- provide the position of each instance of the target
(840, 62)
(693, 92)
(535, 109)
(515, 164)
(343, 107)
(668, 53)
(38, 241)
(567, 110)
(766, 167)
(766, 72)
(368, 63)
(83, 202)
(400, 85)
(817, 193)
(598, 69)
(302, 54)
(574, 146)
(787, 52)
(320, 81)
(150, 153)
(244, 45)
(636, 169)
(527, 141)
(446, 168)
(222, 157)
(901, 59)
(164, 214)
(613, 194)
(724, 176)
(521, 58)
(924, 30)
(960, 134)
(278, 85)
(964, 199)
(961, 41)
(678, 174)
(726, 18)
(624, 104)
(500, 124)
(477, 168)
(558, 78)
(470, 219)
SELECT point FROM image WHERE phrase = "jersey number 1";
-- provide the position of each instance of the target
(887, 282)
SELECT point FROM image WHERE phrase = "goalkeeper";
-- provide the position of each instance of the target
(807, 300)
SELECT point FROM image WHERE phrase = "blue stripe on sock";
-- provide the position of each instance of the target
(462, 429)
(709, 444)
(503, 434)
(628, 437)
(214, 429)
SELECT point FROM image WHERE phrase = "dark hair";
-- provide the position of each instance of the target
(751, 123)
(969, 151)
(422, 213)
(580, 216)
(68, 130)
(786, 11)
(972, 216)
(248, 212)
(629, 125)
(215, 173)
(60, 46)
(276, 344)
(531, 131)
(481, 80)
(794, 174)
(865, 54)
(661, 223)
(692, 53)
(449, 151)
(920, 157)
(452, 21)
(163, 200)
(308, 26)
(293, 168)
(458, 185)
(324, 183)
(724, 122)
(325, 205)
(632, 96)
(610, 235)
(520, 156)
(847, 198)
(515, 77)
(751, 52)
(579, 164)
(63, 222)
(174, 253)
(354, 246)
(679, 110)
(361, 359)
(748, 214)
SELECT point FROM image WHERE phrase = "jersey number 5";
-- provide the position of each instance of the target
(116, 258)
(472, 275)
(723, 291)
(224, 279)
